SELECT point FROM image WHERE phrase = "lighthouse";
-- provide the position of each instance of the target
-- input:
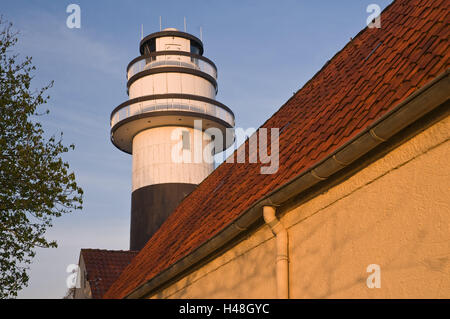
(166, 126)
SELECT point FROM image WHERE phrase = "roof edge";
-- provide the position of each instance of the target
(417, 105)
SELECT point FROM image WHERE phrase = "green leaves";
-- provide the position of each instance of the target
(35, 184)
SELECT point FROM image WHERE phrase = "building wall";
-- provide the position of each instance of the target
(394, 213)
(83, 289)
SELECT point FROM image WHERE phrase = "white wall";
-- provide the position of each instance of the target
(153, 162)
(172, 82)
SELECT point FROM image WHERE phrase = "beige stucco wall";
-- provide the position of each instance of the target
(394, 213)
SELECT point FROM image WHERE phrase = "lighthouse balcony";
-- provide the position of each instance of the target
(180, 102)
(145, 112)
(171, 59)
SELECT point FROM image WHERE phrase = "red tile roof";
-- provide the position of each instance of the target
(374, 72)
(103, 267)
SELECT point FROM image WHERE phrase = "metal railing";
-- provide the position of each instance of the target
(181, 59)
(172, 105)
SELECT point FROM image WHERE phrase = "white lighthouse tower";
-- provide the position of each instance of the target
(172, 89)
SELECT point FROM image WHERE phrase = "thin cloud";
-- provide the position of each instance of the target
(63, 45)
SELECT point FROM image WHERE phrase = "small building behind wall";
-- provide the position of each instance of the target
(98, 269)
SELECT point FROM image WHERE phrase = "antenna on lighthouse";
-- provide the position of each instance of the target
(184, 24)
(201, 36)
(142, 31)
(160, 23)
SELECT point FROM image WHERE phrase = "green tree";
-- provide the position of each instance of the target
(35, 182)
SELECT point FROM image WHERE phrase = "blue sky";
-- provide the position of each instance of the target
(264, 51)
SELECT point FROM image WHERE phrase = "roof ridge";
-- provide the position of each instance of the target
(109, 250)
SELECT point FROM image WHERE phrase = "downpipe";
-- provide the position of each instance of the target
(282, 243)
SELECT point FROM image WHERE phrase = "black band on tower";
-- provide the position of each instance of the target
(151, 206)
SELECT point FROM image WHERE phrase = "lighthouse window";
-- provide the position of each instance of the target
(186, 141)
(150, 46)
(195, 48)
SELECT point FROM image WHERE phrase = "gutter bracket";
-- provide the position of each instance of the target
(376, 137)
